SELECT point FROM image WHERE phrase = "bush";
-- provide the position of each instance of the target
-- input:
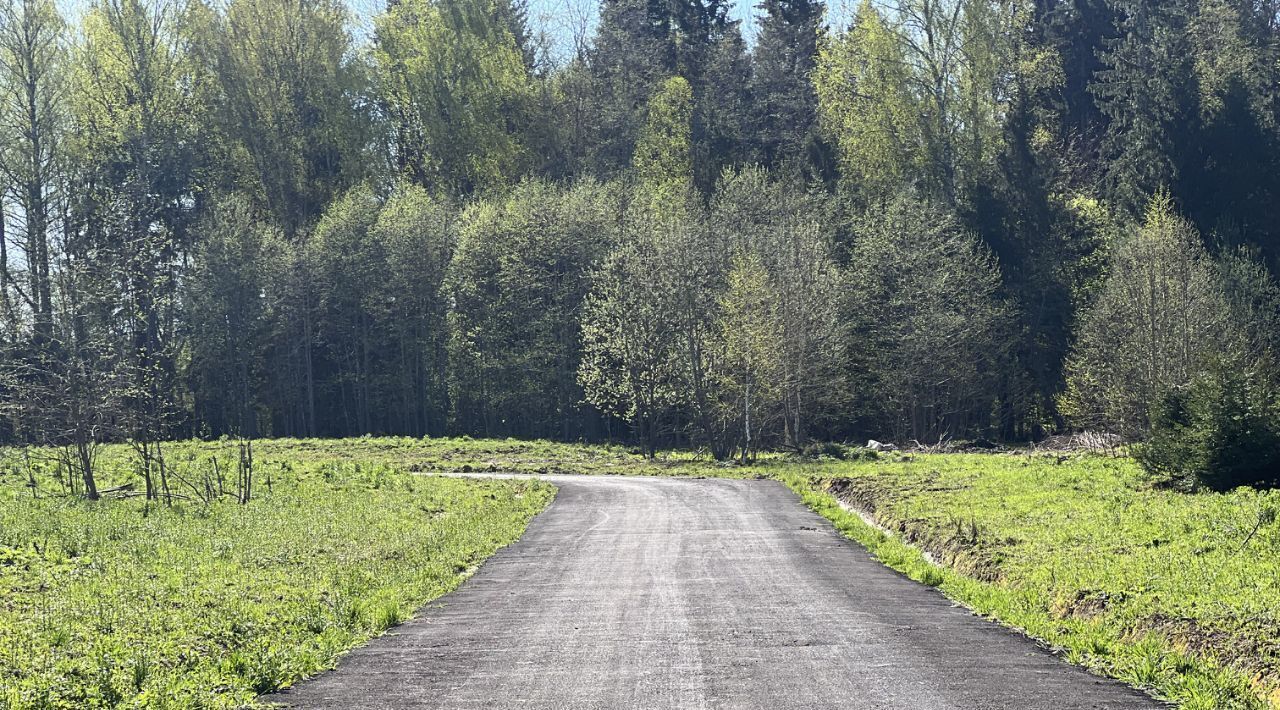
(824, 449)
(839, 452)
(1221, 432)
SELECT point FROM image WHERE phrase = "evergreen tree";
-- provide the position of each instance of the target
(1147, 91)
(633, 52)
(785, 105)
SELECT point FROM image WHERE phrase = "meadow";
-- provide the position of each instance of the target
(128, 603)
(1175, 592)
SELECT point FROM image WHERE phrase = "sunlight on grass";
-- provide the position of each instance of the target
(113, 604)
(1169, 591)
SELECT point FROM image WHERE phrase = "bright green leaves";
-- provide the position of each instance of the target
(292, 97)
(663, 154)
(1161, 312)
(750, 335)
(917, 95)
(458, 91)
(865, 105)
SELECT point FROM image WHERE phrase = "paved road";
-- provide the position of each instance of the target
(665, 593)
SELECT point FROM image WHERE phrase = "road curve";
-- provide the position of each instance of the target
(675, 593)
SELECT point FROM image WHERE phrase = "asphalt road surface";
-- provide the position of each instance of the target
(668, 593)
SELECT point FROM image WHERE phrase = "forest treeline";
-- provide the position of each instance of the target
(943, 219)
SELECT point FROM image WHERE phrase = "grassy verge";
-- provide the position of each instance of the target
(467, 455)
(1172, 592)
(119, 603)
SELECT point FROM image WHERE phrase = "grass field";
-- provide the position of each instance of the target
(118, 603)
(122, 603)
(1165, 590)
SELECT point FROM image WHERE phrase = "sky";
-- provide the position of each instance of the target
(558, 18)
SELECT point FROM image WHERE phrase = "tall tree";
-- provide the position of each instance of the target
(861, 80)
(1147, 90)
(788, 232)
(1161, 314)
(458, 94)
(517, 285)
(348, 267)
(928, 325)
(291, 102)
(751, 335)
(919, 91)
(785, 105)
(633, 52)
(631, 354)
(33, 118)
(138, 99)
(417, 234)
(227, 316)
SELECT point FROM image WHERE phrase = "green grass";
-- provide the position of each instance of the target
(464, 454)
(125, 604)
(1173, 592)
(118, 603)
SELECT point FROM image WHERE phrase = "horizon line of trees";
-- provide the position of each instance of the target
(948, 219)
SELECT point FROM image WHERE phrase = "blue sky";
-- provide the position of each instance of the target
(557, 17)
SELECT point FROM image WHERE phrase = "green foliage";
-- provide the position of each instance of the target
(861, 80)
(417, 235)
(456, 84)
(1220, 432)
(663, 152)
(1161, 313)
(788, 231)
(346, 266)
(121, 603)
(785, 104)
(750, 334)
(374, 297)
(229, 316)
(820, 450)
(631, 366)
(517, 285)
(241, 216)
(291, 92)
(903, 111)
(927, 320)
(631, 55)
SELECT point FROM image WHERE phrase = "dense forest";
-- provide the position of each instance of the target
(995, 219)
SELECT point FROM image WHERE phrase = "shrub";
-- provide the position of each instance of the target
(1161, 312)
(1221, 432)
(825, 449)
(839, 452)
